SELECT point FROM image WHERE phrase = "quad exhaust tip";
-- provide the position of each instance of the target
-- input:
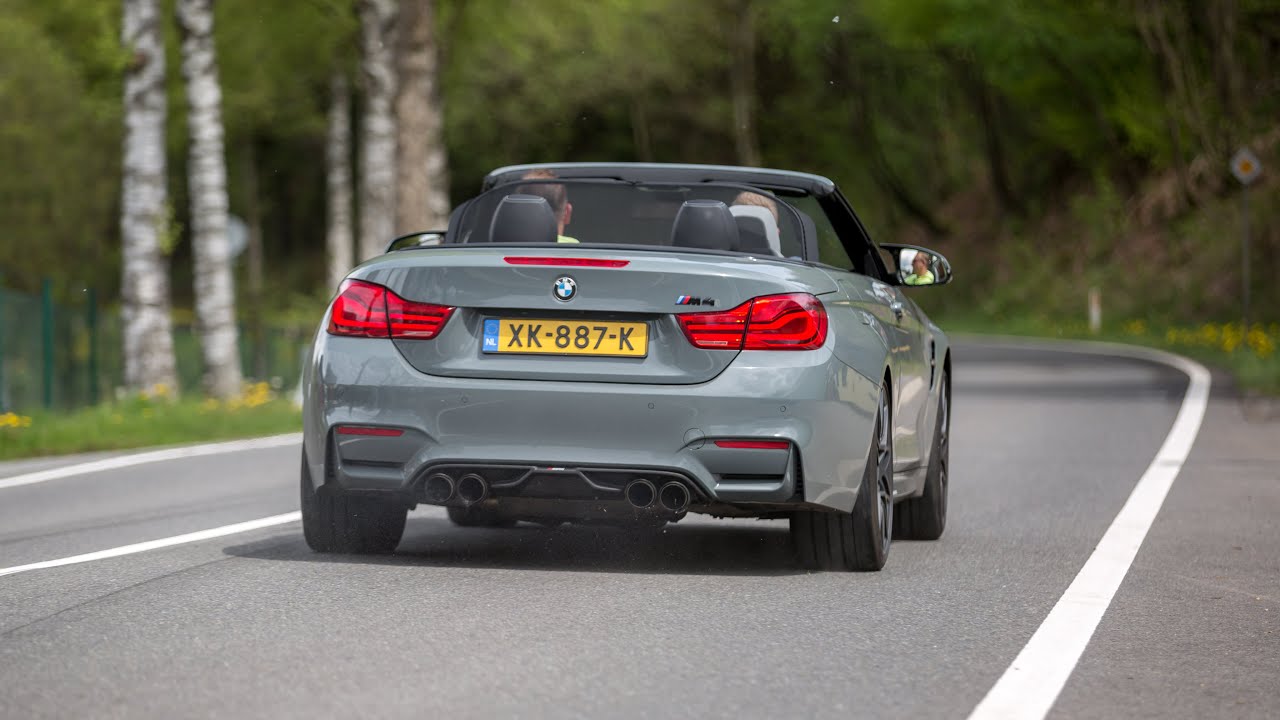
(472, 488)
(641, 493)
(675, 497)
(438, 488)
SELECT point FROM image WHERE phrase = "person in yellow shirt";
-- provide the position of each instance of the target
(920, 272)
(556, 195)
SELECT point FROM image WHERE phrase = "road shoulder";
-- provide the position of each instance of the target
(1193, 631)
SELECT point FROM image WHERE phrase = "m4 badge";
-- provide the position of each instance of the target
(694, 300)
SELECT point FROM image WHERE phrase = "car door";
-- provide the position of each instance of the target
(912, 380)
(896, 313)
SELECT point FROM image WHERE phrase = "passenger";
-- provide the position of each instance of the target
(556, 195)
(920, 272)
(750, 198)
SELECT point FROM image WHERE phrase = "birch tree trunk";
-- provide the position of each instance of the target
(339, 239)
(378, 129)
(214, 280)
(422, 188)
(144, 216)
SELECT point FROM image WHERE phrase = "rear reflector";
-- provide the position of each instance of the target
(366, 430)
(754, 444)
(567, 262)
(364, 309)
(797, 321)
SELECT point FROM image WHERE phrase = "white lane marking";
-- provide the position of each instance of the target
(1031, 685)
(154, 456)
(157, 544)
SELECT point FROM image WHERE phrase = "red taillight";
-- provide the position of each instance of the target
(414, 320)
(774, 322)
(360, 310)
(567, 262)
(367, 430)
(753, 444)
(786, 322)
(716, 330)
(364, 309)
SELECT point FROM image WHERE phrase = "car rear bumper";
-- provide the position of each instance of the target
(566, 438)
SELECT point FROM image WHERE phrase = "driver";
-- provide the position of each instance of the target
(556, 195)
(920, 272)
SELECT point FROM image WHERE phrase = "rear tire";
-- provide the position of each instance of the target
(925, 517)
(478, 517)
(860, 540)
(337, 523)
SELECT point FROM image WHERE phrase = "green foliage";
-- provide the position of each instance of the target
(140, 422)
(59, 140)
(1016, 136)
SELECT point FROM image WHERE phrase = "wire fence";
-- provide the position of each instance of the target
(63, 356)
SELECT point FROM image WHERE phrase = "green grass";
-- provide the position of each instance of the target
(142, 422)
(1253, 362)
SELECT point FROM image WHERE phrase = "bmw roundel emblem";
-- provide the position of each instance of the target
(565, 288)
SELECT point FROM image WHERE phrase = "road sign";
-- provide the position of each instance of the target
(237, 235)
(1246, 166)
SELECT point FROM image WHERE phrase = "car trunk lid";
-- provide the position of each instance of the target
(521, 298)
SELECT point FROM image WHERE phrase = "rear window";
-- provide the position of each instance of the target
(612, 213)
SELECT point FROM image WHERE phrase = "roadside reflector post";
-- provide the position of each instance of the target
(46, 337)
(1095, 311)
(1246, 167)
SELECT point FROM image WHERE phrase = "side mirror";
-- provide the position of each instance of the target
(416, 240)
(917, 265)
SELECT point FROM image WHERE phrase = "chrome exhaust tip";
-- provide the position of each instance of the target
(675, 497)
(438, 488)
(472, 488)
(641, 493)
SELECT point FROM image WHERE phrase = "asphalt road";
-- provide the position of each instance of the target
(710, 618)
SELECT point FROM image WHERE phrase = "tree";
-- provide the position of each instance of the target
(742, 83)
(378, 129)
(422, 188)
(338, 180)
(144, 216)
(214, 280)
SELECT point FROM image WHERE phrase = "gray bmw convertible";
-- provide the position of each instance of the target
(626, 344)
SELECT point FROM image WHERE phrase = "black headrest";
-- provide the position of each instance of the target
(751, 235)
(523, 219)
(705, 224)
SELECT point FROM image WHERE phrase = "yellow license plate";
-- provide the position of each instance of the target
(566, 337)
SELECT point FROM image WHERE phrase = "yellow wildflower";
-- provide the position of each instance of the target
(14, 420)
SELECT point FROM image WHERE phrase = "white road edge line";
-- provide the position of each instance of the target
(1030, 686)
(154, 456)
(157, 544)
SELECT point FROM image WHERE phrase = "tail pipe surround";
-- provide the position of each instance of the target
(675, 497)
(438, 488)
(641, 493)
(472, 488)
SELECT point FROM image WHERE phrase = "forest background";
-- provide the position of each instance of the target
(1046, 147)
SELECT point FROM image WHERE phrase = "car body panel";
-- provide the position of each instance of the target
(479, 281)
(824, 407)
